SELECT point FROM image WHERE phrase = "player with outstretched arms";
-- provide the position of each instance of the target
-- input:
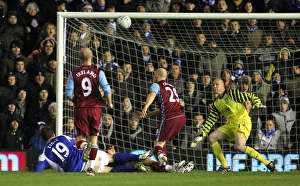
(230, 104)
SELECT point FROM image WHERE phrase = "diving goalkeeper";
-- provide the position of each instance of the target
(230, 104)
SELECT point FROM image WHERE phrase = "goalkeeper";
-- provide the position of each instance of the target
(230, 104)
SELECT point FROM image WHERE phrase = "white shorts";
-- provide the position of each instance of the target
(101, 161)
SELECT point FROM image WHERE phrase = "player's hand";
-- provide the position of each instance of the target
(259, 105)
(111, 150)
(136, 114)
(24, 169)
(196, 141)
(110, 105)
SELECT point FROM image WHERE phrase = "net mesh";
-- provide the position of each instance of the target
(199, 48)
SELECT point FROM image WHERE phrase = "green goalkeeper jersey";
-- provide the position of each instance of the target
(231, 106)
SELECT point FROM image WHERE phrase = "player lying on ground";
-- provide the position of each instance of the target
(61, 154)
(230, 104)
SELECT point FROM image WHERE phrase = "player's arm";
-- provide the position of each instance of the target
(154, 90)
(243, 97)
(41, 165)
(106, 88)
(209, 123)
(211, 120)
(149, 101)
(70, 88)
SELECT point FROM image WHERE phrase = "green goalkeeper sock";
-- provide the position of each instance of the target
(217, 150)
(256, 155)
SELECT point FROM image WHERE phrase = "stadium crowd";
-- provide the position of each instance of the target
(255, 56)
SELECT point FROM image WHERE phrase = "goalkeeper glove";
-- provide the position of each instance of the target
(197, 140)
(259, 105)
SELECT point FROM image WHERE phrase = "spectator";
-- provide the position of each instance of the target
(87, 106)
(249, 7)
(32, 22)
(276, 5)
(148, 36)
(73, 43)
(61, 6)
(214, 62)
(253, 34)
(262, 90)
(294, 6)
(33, 86)
(283, 65)
(50, 117)
(205, 88)
(10, 112)
(40, 60)
(36, 141)
(260, 87)
(37, 109)
(269, 137)
(239, 71)
(8, 90)
(22, 77)
(121, 89)
(192, 131)
(175, 7)
(126, 5)
(11, 31)
(293, 85)
(244, 85)
(134, 136)
(22, 102)
(108, 62)
(163, 63)
(50, 71)
(126, 108)
(96, 46)
(86, 7)
(236, 6)
(192, 6)
(189, 100)
(48, 32)
(84, 34)
(7, 64)
(69, 128)
(234, 38)
(108, 132)
(266, 53)
(158, 6)
(175, 78)
(226, 77)
(222, 6)
(286, 122)
(100, 6)
(285, 36)
(13, 138)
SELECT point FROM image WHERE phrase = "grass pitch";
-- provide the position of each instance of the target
(197, 178)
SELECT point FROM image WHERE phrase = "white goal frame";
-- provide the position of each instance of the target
(61, 37)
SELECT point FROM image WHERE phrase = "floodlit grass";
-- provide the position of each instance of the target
(197, 178)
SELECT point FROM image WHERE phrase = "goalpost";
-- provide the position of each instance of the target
(126, 47)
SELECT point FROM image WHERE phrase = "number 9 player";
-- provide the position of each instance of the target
(84, 84)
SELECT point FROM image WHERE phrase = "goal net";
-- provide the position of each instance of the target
(194, 48)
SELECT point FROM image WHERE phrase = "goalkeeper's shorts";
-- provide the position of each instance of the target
(238, 126)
